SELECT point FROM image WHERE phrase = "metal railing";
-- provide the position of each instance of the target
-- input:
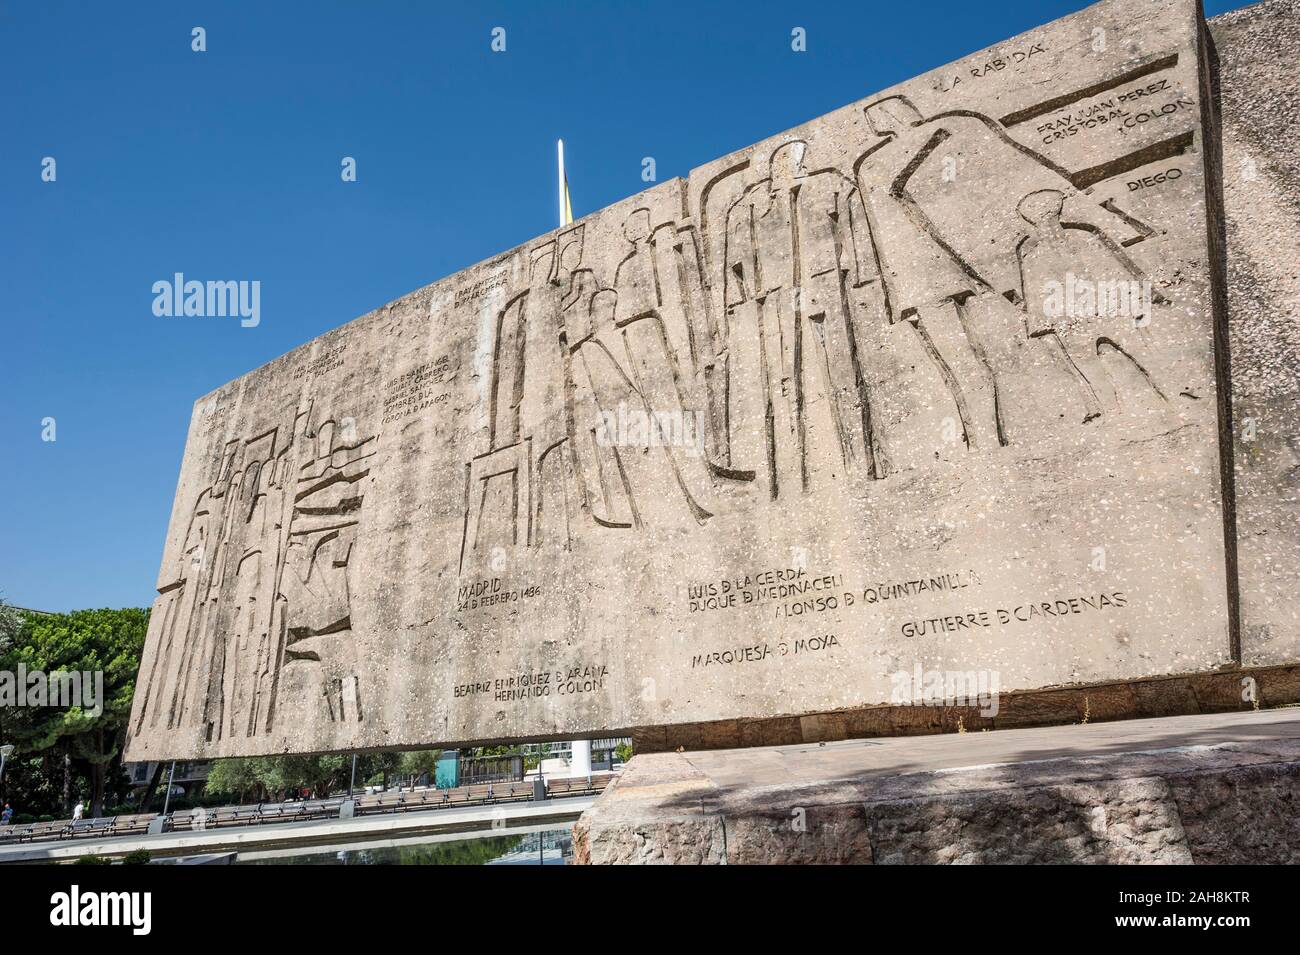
(390, 801)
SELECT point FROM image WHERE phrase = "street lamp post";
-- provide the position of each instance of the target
(167, 797)
(5, 750)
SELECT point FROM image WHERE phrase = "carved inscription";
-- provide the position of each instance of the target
(1039, 611)
(493, 592)
(572, 680)
(470, 293)
(417, 390)
(323, 363)
(761, 652)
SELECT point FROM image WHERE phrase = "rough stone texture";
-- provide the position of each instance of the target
(755, 443)
(695, 839)
(1116, 822)
(1258, 48)
(1242, 816)
(1202, 790)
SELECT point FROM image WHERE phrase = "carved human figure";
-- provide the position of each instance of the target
(552, 501)
(168, 664)
(601, 494)
(1082, 291)
(927, 284)
(261, 587)
(320, 677)
(566, 342)
(237, 646)
(624, 368)
(634, 277)
(651, 338)
(947, 264)
(796, 241)
(522, 490)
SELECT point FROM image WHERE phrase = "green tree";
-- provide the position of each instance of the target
(321, 774)
(373, 769)
(416, 762)
(487, 752)
(273, 778)
(101, 643)
(238, 777)
(10, 622)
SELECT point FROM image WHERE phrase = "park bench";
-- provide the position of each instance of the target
(323, 809)
(514, 792)
(51, 830)
(320, 809)
(184, 820)
(197, 819)
(13, 833)
(285, 812)
(374, 802)
(578, 784)
(235, 815)
(222, 815)
(99, 826)
(130, 824)
(455, 795)
(31, 831)
(423, 799)
(565, 787)
(480, 792)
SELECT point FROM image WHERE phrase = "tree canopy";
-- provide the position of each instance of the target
(101, 648)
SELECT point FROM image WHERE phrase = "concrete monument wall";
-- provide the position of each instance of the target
(1258, 60)
(929, 384)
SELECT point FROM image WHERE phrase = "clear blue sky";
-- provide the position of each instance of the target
(225, 165)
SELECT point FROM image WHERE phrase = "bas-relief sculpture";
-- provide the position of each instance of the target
(746, 444)
(255, 620)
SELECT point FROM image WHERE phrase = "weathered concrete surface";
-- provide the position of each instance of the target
(861, 401)
(1258, 51)
(1221, 691)
(1256, 48)
(1190, 789)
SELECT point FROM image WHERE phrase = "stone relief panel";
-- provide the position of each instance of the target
(928, 382)
(253, 630)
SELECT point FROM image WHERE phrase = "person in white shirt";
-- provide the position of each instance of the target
(78, 810)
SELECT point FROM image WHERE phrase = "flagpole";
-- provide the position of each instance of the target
(559, 149)
(579, 749)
